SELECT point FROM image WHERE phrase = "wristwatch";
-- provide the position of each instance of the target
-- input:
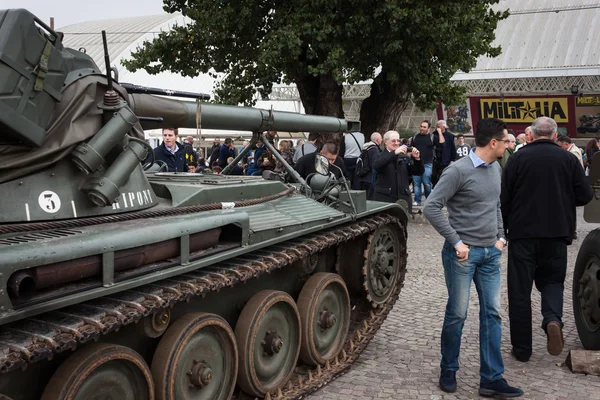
(503, 241)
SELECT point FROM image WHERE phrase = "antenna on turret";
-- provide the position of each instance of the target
(111, 98)
(107, 61)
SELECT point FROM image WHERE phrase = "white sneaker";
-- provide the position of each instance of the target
(415, 203)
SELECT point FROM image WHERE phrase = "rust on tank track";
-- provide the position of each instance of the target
(41, 337)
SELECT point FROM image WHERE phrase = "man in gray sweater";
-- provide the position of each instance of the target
(470, 190)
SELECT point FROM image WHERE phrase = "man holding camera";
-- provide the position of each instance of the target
(393, 166)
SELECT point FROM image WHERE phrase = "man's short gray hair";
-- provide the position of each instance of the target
(543, 127)
(375, 136)
(388, 135)
(441, 122)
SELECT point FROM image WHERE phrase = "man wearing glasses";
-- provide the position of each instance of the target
(393, 166)
(470, 190)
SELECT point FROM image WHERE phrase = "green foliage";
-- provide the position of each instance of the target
(256, 43)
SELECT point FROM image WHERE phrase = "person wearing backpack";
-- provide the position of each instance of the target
(307, 147)
(350, 147)
(426, 143)
(364, 171)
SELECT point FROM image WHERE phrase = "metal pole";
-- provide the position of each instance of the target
(246, 150)
(287, 166)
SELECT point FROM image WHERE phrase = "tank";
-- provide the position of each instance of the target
(121, 283)
(586, 274)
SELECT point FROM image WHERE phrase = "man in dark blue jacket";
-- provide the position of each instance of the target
(170, 152)
(225, 152)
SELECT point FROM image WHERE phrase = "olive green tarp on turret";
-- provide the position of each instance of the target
(75, 119)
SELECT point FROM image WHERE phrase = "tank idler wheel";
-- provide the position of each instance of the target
(324, 306)
(382, 266)
(268, 338)
(155, 325)
(101, 371)
(196, 359)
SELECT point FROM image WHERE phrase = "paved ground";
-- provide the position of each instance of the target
(402, 361)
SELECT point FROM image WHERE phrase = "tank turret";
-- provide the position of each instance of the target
(88, 160)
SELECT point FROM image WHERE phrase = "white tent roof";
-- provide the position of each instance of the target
(543, 38)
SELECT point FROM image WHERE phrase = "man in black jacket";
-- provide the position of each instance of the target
(541, 186)
(445, 150)
(393, 167)
(171, 152)
(371, 151)
(213, 153)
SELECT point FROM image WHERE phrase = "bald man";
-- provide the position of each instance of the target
(191, 156)
(510, 149)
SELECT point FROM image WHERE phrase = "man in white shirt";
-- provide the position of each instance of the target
(566, 143)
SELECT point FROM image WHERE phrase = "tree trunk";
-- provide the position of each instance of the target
(320, 95)
(381, 111)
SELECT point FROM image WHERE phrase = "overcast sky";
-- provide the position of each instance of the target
(67, 12)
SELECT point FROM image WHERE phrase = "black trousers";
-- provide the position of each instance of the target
(436, 173)
(350, 164)
(543, 261)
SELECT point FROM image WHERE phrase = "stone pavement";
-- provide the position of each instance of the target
(402, 361)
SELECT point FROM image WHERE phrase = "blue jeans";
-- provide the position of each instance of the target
(483, 267)
(424, 179)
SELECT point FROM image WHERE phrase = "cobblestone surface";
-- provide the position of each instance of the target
(402, 361)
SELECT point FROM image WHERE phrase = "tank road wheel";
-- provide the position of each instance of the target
(155, 325)
(324, 306)
(196, 359)
(382, 264)
(101, 371)
(268, 338)
(586, 291)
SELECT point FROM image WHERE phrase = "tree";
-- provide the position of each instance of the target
(408, 47)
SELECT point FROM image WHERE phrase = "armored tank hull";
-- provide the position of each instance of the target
(120, 283)
(282, 269)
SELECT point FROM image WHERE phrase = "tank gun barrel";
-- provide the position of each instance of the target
(181, 114)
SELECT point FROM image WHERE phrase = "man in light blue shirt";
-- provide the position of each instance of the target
(470, 190)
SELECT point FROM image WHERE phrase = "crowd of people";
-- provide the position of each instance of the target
(182, 157)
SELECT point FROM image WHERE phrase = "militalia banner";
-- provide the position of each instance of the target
(525, 109)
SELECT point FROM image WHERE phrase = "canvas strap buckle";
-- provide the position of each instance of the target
(41, 70)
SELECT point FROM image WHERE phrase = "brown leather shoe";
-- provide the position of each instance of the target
(556, 341)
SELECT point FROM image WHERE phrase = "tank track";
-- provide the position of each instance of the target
(41, 337)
